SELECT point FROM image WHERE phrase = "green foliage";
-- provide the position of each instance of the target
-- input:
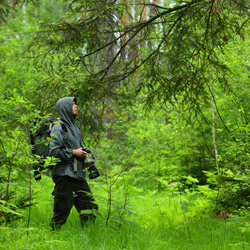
(156, 150)
(232, 181)
(15, 155)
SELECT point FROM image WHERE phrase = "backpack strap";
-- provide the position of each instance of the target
(65, 130)
(75, 165)
(67, 126)
(50, 126)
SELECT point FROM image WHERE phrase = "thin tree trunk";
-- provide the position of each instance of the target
(8, 184)
(10, 162)
(30, 195)
(213, 126)
(125, 21)
(7, 196)
(109, 204)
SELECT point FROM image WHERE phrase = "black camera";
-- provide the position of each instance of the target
(90, 164)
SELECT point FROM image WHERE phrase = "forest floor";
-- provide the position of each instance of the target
(151, 220)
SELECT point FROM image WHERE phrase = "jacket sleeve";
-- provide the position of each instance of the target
(57, 145)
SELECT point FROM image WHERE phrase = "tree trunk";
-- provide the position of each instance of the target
(213, 125)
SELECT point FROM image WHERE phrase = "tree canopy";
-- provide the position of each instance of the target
(172, 50)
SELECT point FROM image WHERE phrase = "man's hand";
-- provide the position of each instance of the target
(79, 153)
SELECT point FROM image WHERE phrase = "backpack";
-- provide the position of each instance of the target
(40, 142)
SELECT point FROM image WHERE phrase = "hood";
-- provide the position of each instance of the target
(64, 109)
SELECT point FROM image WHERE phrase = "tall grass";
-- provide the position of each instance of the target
(157, 221)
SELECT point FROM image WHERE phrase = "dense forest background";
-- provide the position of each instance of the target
(163, 98)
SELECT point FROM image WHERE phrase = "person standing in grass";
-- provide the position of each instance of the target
(71, 187)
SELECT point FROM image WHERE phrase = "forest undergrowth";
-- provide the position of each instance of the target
(150, 220)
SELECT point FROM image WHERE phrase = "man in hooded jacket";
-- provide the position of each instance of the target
(71, 187)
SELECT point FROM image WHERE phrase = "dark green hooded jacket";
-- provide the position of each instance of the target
(61, 147)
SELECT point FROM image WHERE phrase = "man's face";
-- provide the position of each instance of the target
(74, 109)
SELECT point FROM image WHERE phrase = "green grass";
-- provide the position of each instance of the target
(154, 221)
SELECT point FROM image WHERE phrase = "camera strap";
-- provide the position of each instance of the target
(75, 165)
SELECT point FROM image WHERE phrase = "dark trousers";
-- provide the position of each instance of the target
(69, 192)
